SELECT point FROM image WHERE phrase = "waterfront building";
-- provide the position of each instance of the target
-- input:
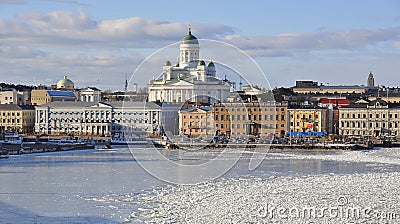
(190, 79)
(98, 118)
(90, 94)
(374, 118)
(15, 97)
(308, 118)
(196, 122)
(20, 118)
(42, 96)
(240, 119)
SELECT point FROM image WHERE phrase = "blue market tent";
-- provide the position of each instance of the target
(306, 134)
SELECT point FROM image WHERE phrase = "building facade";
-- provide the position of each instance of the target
(20, 118)
(236, 119)
(196, 122)
(308, 119)
(98, 118)
(90, 94)
(41, 96)
(375, 118)
(15, 97)
(190, 79)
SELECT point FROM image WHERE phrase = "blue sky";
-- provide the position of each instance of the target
(99, 42)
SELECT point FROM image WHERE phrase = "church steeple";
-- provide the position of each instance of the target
(189, 50)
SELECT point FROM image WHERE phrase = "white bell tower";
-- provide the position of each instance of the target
(189, 50)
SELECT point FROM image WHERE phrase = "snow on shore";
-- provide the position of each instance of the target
(351, 198)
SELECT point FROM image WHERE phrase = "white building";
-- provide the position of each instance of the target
(375, 118)
(91, 118)
(190, 79)
(15, 97)
(90, 94)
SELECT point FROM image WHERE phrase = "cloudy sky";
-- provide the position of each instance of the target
(99, 43)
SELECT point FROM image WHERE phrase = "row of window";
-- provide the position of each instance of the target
(298, 124)
(353, 124)
(249, 117)
(250, 109)
(304, 116)
(371, 115)
(358, 132)
(10, 114)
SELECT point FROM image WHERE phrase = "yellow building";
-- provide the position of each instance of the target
(20, 118)
(236, 119)
(41, 96)
(196, 122)
(308, 119)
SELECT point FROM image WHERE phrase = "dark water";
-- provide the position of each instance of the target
(101, 186)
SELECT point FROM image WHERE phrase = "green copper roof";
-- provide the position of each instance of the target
(201, 62)
(211, 64)
(190, 39)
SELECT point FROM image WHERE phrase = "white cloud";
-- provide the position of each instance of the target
(288, 44)
(77, 30)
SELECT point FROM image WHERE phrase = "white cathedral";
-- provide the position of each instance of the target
(190, 79)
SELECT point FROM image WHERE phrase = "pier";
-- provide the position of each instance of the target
(37, 147)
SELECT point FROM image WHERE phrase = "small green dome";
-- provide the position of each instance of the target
(177, 64)
(201, 62)
(189, 38)
(211, 64)
(167, 63)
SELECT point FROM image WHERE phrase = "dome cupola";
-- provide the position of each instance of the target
(65, 83)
